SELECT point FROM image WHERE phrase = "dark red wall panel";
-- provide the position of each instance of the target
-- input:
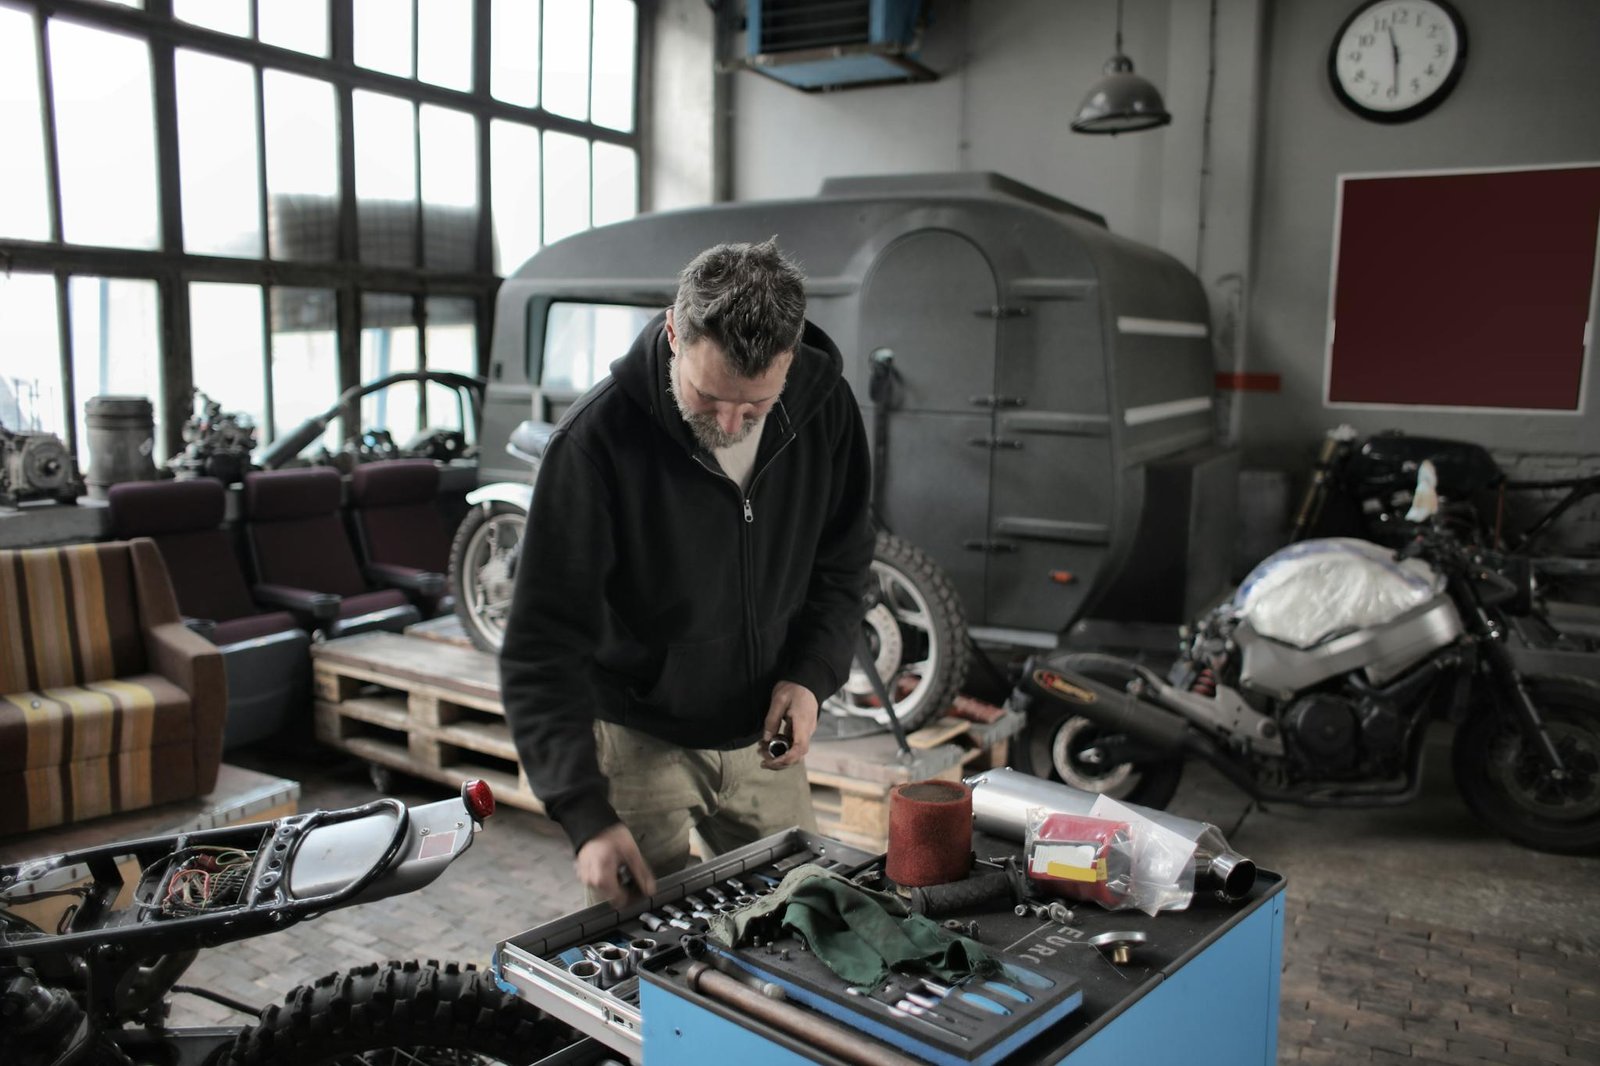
(1464, 290)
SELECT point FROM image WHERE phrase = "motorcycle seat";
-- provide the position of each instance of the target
(531, 438)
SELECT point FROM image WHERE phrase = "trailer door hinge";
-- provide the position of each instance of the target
(990, 547)
(996, 443)
(1001, 311)
(996, 401)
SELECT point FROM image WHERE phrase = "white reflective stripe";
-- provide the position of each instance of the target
(1155, 412)
(1160, 327)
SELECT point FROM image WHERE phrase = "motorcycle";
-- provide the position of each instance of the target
(94, 942)
(1314, 685)
(913, 629)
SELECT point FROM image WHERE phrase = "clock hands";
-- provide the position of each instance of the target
(1394, 48)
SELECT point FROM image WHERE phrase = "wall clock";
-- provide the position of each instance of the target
(1395, 60)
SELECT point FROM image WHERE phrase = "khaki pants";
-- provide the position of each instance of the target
(662, 791)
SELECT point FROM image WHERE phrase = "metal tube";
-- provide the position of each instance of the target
(1001, 800)
(807, 1026)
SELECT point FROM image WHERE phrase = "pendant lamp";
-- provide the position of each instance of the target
(1121, 101)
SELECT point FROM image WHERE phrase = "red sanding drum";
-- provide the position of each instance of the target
(930, 833)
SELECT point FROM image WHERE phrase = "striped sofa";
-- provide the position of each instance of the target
(107, 701)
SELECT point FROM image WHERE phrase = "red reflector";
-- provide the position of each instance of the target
(1061, 577)
(479, 798)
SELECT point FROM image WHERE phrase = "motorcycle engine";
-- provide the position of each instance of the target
(1325, 729)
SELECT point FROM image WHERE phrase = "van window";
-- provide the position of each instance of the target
(582, 340)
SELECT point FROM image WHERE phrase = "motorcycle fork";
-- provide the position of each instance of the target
(1516, 692)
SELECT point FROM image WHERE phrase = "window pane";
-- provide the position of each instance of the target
(298, 24)
(305, 359)
(389, 346)
(383, 35)
(302, 167)
(616, 183)
(228, 16)
(24, 188)
(566, 186)
(566, 58)
(229, 360)
(444, 43)
(514, 51)
(514, 179)
(217, 155)
(449, 188)
(116, 348)
(386, 179)
(611, 102)
(105, 136)
(452, 346)
(582, 340)
(30, 355)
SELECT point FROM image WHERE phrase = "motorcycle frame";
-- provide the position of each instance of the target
(125, 972)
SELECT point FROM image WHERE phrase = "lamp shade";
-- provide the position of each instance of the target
(1120, 102)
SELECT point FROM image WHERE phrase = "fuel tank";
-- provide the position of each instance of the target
(1321, 608)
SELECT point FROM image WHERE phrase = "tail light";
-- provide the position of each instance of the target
(479, 798)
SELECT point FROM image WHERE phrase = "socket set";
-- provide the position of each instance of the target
(584, 967)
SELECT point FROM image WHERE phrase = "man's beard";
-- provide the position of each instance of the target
(707, 433)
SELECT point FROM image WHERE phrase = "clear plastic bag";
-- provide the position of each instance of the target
(1080, 857)
(1113, 856)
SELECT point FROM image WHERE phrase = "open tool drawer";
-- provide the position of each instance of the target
(535, 964)
(665, 969)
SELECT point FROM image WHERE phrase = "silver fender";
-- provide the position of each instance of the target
(514, 493)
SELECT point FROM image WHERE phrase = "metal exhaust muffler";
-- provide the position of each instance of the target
(1001, 799)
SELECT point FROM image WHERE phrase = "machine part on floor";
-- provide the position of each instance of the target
(930, 833)
(1119, 943)
(801, 1024)
(1001, 799)
(967, 929)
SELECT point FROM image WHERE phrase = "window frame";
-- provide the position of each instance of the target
(173, 268)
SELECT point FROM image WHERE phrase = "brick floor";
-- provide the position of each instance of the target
(1358, 985)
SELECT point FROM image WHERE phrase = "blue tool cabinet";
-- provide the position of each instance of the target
(1203, 990)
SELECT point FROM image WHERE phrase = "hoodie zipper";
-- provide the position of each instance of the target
(747, 550)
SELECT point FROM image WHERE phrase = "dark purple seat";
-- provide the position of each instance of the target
(184, 518)
(399, 530)
(265, 653)
(303, 559)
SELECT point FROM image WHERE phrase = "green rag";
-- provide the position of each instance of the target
(859, 934)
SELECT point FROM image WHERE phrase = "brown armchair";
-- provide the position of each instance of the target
(108, 702)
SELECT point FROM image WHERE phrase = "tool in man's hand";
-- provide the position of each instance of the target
(780, 744)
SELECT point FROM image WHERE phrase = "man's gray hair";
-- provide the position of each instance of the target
(748, 299)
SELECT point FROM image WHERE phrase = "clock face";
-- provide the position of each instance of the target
(1394, 60)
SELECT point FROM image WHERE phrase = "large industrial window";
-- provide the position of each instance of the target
(274, 200)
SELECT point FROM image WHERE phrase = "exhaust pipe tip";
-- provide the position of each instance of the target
(1232, 874)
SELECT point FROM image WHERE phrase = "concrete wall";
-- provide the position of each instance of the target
(1245, 199)
(1530, 95)
(681, 105)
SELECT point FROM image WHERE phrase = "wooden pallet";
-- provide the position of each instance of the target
(424, 707)
(430, 707)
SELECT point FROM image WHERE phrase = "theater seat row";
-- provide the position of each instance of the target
(303, 575)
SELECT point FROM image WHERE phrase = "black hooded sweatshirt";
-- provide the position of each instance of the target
(654, 593)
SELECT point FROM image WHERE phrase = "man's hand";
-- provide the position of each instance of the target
(603, 857)
(796, 704)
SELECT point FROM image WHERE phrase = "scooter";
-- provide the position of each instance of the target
(93, 943)
(1314, 686)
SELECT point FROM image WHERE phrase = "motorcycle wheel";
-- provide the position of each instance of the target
(918, 634)
(483, 569)
(1506, 785)
(1055, 741)
(400, 1014)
